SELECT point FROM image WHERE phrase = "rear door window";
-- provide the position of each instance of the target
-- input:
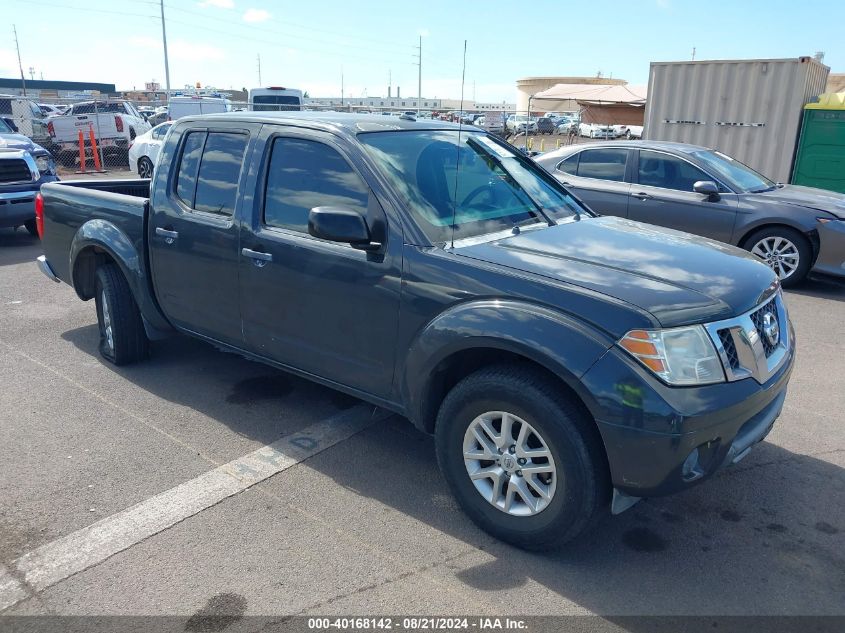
(603, 164)
(210, 170)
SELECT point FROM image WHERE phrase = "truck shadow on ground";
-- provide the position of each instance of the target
(16, 246)
(821, 289)
(766, 536)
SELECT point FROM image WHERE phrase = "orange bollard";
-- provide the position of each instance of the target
(81, 152)
(93, 140)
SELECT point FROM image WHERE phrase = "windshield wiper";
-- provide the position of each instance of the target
(478, 147)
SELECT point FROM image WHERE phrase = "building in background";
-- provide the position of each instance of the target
(406, 103)
(59, 91)
(529, 86)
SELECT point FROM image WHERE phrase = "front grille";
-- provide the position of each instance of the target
(730, 348)
(757, 318)
(14, 170)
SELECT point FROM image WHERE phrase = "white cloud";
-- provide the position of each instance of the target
(220, 4)
(256, 15)
(664, 4)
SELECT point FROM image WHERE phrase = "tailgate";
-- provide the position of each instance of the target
(67, 128)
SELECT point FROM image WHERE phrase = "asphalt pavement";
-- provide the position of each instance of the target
(199, 481)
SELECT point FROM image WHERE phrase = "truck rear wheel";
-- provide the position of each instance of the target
(521, 458)
(122, 337)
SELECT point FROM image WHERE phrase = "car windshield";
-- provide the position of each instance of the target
(4, 128)
(740, 177)
(469, 181)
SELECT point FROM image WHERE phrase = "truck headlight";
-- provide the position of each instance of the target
(679, 356)
(45, 164)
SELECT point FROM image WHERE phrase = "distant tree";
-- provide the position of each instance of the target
(305, 95)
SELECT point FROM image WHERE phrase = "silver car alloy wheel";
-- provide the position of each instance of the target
(107, 327)
(509, 463)
(780, 254)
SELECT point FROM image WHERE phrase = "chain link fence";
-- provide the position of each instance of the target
(97, 135)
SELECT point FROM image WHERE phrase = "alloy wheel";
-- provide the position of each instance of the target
(509, 463)
(779, 253)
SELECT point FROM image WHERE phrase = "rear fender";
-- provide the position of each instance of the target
(557, 342)
(98, 240)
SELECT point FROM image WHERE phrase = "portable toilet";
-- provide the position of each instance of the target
(820, 160)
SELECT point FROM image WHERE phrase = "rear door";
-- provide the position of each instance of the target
(319, 306)
(663, 194)
(194, 234)
(598, 177)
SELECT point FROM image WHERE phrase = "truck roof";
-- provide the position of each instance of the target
(341, 121)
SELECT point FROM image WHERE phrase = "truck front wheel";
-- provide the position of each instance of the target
(122, 337)
(520, 457)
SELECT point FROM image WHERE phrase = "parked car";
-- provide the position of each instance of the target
(628, 131)
(795, 230)
(49, 109)
(521, 123)
(565, 125)
(545, 125)
(565, 363)
(24, 117)
(24, 167)
(196, 104)
(115, 125)
(595, 130)
(144, 150)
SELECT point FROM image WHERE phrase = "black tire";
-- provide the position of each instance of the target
(145, 167)
(802, 244)
(31, 227)
(128, 342)
(583, 484)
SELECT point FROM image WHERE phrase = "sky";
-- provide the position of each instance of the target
(315, 45)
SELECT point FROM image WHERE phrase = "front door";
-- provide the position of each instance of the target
(662, 194)
(194, 236)
(318, 306)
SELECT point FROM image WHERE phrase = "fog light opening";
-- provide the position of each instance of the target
(692, 470)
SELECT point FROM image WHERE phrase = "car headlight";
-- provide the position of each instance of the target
(679, 356)
(45, 164)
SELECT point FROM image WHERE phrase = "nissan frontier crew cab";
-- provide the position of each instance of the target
(567, 363)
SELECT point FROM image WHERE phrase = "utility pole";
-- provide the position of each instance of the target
(23, 79)
(693, 53)
(32, 73)
(166, 62)
(259, 70)
(419, 77)
(341, 86)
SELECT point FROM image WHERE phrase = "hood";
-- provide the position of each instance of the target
(677, 277)
(19, 141)
(807, 197)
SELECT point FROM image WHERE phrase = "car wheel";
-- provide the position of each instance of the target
(522, 459)
(145, 167)
(31, 227)
(122, 337)
(784, 250)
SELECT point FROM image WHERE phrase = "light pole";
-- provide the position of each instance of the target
(166, 64)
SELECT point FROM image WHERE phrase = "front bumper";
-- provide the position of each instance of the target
(831, 257)
(17, 202)
(676, 437)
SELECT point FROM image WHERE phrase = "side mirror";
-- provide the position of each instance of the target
(337, 224)
(707, 188)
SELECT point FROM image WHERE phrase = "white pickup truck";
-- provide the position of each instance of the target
(115, 125)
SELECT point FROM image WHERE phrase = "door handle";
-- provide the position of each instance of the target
(258, 258)
(168, 235)
(641, 196)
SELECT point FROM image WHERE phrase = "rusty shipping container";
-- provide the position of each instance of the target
(748, 109)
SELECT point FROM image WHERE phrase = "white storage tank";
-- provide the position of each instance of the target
(748, 109)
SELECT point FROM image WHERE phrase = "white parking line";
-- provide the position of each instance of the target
(60, 559)
(11, 590)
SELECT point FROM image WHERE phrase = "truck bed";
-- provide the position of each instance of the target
(104, 205)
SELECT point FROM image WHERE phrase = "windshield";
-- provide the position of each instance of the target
(4, 128)
(481, 186)
(740, 177)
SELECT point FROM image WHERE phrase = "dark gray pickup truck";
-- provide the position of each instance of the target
(566, 363)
